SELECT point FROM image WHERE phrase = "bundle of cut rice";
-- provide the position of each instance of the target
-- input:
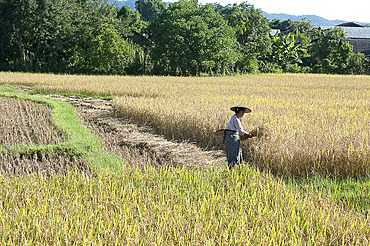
(259, 132)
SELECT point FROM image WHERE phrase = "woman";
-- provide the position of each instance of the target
(233, 134)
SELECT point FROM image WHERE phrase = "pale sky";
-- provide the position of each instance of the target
(353, 10)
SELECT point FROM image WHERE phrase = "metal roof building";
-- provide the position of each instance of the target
(360, 45)
(358, 36)
(356, 32)
(352, 30)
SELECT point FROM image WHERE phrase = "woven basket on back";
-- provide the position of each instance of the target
(219, 136)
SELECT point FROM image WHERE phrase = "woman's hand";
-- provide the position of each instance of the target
(246, 136)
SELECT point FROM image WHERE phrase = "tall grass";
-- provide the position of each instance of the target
(349, 193)
(171, 206)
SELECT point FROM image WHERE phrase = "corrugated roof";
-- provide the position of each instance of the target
(353, 32)
(360, 45)
(357, 32)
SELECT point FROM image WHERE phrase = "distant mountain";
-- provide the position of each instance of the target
(316, 20)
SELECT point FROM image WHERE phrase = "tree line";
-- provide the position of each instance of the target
(183, 38)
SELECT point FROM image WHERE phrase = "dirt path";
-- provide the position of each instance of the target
(137, 145)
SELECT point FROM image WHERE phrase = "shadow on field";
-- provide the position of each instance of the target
(16, 164)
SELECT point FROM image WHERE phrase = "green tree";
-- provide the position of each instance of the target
(101, 48)
(41, 35)
(18, 19)
(303, 26)
(251, 31)
(150, 9)
(190, 38)
(7, 55)
(283, 50)
(330, 54)
(74, 36)
(105, 54)
(285, 26)
(130, 21)
(358, 64)
(56, 35)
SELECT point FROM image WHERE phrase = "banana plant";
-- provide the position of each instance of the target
(283, 50)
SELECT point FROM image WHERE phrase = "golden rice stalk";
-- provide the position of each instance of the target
(28, 123)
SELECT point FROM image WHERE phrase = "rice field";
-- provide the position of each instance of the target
(171, 207)
(24, 123)
(50, 164)
(27, 123)
(27, 128)
(314, 126)
(316, 123)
